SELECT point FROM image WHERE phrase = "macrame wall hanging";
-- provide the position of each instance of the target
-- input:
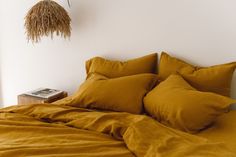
(46, 18)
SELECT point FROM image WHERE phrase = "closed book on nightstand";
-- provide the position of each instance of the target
(29, 99)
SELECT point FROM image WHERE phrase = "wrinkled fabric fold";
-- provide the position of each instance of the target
(124, 133)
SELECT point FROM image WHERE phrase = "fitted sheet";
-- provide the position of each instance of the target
(223, 130)
(46, 130)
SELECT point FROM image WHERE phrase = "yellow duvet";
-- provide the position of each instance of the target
(223, 130)
(47, 130)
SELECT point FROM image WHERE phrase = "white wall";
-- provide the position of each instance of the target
(200, 31)
(1, 53)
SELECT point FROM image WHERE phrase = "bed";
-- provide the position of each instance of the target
(124, 109)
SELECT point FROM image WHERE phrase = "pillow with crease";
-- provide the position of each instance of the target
(124, 94)
(112, 69)
(215, 79)
(177, 104)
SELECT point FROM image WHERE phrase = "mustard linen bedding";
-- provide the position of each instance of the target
(223, 130)
(48, 130)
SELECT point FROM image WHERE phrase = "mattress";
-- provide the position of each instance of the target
(223, 130)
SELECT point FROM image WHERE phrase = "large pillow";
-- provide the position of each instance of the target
(116, 94)
(112, 69)
(215, 79)
(177, 104)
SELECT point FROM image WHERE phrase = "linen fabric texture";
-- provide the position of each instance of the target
(124, 94)
(177, 104)
(112, 69)
(215, 79)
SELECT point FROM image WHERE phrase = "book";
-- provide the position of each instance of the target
(45, 93)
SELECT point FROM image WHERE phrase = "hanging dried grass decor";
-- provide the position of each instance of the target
(45, 18)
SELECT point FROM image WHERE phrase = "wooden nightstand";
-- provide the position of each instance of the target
(26, 99)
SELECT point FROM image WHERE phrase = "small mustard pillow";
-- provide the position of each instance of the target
(215, 79)
(175, 103)
(112, 69)
(123, 94)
